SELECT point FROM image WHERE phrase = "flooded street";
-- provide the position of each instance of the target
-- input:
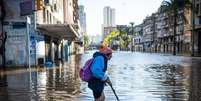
(41, 84)
(151, 77)
(135, 77)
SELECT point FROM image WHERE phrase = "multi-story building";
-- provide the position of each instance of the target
(107, 30)
(108, 20)
(138, 33)
(165, 35)
(108, 16)
(164, 32)
(148, 33)
(186, 44)
(183, 36)
(82, 18)
(40, 33)
(197, 30)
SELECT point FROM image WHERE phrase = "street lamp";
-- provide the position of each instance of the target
(132, 24)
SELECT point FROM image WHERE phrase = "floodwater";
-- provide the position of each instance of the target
(150, 77)
(41, 84)
(135, 77)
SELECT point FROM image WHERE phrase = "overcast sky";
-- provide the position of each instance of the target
(126, 11)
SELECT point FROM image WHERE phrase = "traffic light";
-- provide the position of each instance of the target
(38, 5)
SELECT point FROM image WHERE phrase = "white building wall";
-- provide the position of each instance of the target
(108, 18)
(113, 17)
(50, 14)
(70, 12)
(15, 26)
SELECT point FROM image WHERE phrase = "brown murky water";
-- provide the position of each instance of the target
(135, 77)
(41, 84)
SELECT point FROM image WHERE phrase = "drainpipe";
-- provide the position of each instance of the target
(193, 28)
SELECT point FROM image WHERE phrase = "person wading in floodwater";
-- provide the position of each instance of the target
(98, 69)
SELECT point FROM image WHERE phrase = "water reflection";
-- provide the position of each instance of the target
(135, 77)
(41, 84)
(3, 86)
(195, 94)
(151, 77)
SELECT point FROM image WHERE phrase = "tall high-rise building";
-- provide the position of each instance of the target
(82, 18)
(113, 17)
(108, 17)
(108, 20)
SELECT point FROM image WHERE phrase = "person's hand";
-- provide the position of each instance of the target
(108, 81)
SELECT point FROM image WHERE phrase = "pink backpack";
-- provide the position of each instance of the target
(85, 72)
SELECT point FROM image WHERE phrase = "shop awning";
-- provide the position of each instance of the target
(63, 31)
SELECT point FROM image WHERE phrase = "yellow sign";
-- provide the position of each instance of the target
(38, 5)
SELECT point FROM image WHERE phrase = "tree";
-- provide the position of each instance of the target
(172, 7)
(110, 37)
(124, 38)
(86, 41)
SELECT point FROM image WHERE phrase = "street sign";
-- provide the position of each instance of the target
(26, 8)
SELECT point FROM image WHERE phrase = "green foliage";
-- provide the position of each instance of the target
(172, 5)
(124, 39)
(122, 34)
(111, 36)
(86, 40)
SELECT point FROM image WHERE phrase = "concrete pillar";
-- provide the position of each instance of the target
(65, 4)
(51, 49)
(62, 51)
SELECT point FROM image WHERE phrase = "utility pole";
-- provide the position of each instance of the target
(132, 24)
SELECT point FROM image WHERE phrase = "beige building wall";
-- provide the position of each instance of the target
(51, 13)
(70, 12)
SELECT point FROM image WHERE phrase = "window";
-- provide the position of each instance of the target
(46, 2)
(47, 17)
(197, 9)
(44, 15)
(55, 7)
(199, 21)
(50, 18)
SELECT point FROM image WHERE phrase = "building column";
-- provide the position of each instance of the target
(48, 48)
(199, 43)
(51, 50)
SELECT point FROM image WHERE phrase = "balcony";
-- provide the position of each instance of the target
(68, 32)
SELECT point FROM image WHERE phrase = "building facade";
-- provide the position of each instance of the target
(197, 31)
(158, 33)
(148, 33)
(108, 20)
(108, 16)
(138, 33)
(82, 19)
(46, 31)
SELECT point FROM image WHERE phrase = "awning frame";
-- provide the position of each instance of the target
(63, 31)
